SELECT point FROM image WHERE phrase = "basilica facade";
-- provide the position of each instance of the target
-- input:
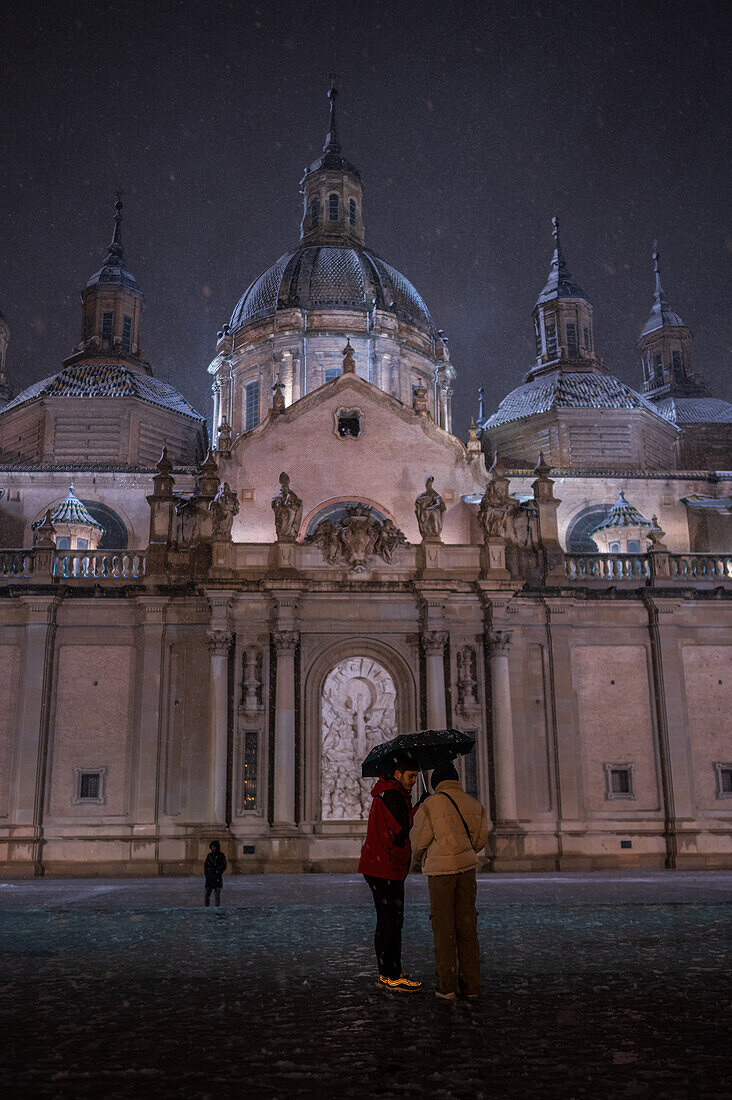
(202, 634)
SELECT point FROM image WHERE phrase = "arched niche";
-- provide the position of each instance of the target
(335, 509)
(395, 665)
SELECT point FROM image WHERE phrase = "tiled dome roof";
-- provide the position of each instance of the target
(695, 410)
(332, 276)
(567, 390)
(106, 380)
(71, 510)
(622, 514)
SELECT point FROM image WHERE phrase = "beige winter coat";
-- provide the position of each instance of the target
(438, 836)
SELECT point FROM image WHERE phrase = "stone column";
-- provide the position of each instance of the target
(285, 642)
(40, 613)
(219, 642)
(499, 642)
(152, 627)
(434, 642)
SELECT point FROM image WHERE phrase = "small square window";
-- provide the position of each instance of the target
(724, 780)
(89, 785)
(619, 781)
(349, 424)
(634, 546)
(332, 372)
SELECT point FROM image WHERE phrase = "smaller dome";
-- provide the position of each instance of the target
(71, 510)
(695, 410)
(566, 390)
(105, 380)
(622, 514)
(662, 318)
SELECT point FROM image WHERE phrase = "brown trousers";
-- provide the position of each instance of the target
(455, 931)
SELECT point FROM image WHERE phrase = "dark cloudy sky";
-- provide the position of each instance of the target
(471, 122)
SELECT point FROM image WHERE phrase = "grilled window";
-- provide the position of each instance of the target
(314, 212)
(724, 779)
(89, 785)
(352, 212)
(551, 341)
(588, 339)
(619, 781)
(332, 372)
(88, 329)
(249, 778)
(572, 345)
(333, 208)
(537, 334)
(126, 333)
(251, 406)
(107, 326)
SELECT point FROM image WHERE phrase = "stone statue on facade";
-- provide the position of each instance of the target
(498, 511)
(223, 508)
(287, 508)
(430, 510)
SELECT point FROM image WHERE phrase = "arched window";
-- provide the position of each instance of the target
(352, 212)
(333, 208)
(314, 212)
(115, 530)
(579, 540)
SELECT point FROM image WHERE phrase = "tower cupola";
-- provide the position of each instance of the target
(563, 324)
(332, 192)
(111, 306)
(665, 348)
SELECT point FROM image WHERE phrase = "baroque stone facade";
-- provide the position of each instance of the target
(342, 568)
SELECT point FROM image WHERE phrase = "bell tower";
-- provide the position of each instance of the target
(665, 348)
(111, 307)
(563, 321)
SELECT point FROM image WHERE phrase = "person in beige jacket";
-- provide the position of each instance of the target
(449, 829)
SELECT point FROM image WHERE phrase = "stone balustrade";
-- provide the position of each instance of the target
(685, 567)
(41, 565)
(607, 567)
(16, 563)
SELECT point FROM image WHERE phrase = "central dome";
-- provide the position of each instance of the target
(332, 276)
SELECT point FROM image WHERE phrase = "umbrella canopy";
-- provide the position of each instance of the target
(426, 747)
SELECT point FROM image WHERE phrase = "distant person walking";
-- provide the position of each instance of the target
(449, 828)
(385, 860)
(213, 870)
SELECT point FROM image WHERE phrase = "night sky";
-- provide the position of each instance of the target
(471, 124)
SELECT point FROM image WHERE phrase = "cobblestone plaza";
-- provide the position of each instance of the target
(602, 985)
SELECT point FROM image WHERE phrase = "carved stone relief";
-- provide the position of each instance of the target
(251, 684)
(358, 711)
(356, 537)
(467, 677)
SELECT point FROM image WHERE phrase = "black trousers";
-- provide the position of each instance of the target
(216, 893)
(388, 897)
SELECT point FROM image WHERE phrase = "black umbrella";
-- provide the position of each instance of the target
(426, 748)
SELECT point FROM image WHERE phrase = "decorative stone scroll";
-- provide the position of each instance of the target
(285, 641)
(499, 641)
(434, 642)
(356, 537)
(219, 642)
(358, 712)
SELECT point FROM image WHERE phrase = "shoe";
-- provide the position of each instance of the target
(445, 996)
(403, 983)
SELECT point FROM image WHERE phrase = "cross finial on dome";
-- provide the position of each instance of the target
(659, 296)
(115, 247)
(331, 140)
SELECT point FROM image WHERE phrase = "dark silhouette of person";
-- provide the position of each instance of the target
(213, 870)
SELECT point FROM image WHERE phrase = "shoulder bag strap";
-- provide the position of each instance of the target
(465, 824)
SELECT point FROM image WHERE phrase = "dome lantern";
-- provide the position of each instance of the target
(332, 192)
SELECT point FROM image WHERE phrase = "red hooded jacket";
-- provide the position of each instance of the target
(386, 851)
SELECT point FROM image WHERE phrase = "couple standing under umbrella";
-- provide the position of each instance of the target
(445, 830)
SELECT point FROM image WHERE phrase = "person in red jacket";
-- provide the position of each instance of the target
(385, 859)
